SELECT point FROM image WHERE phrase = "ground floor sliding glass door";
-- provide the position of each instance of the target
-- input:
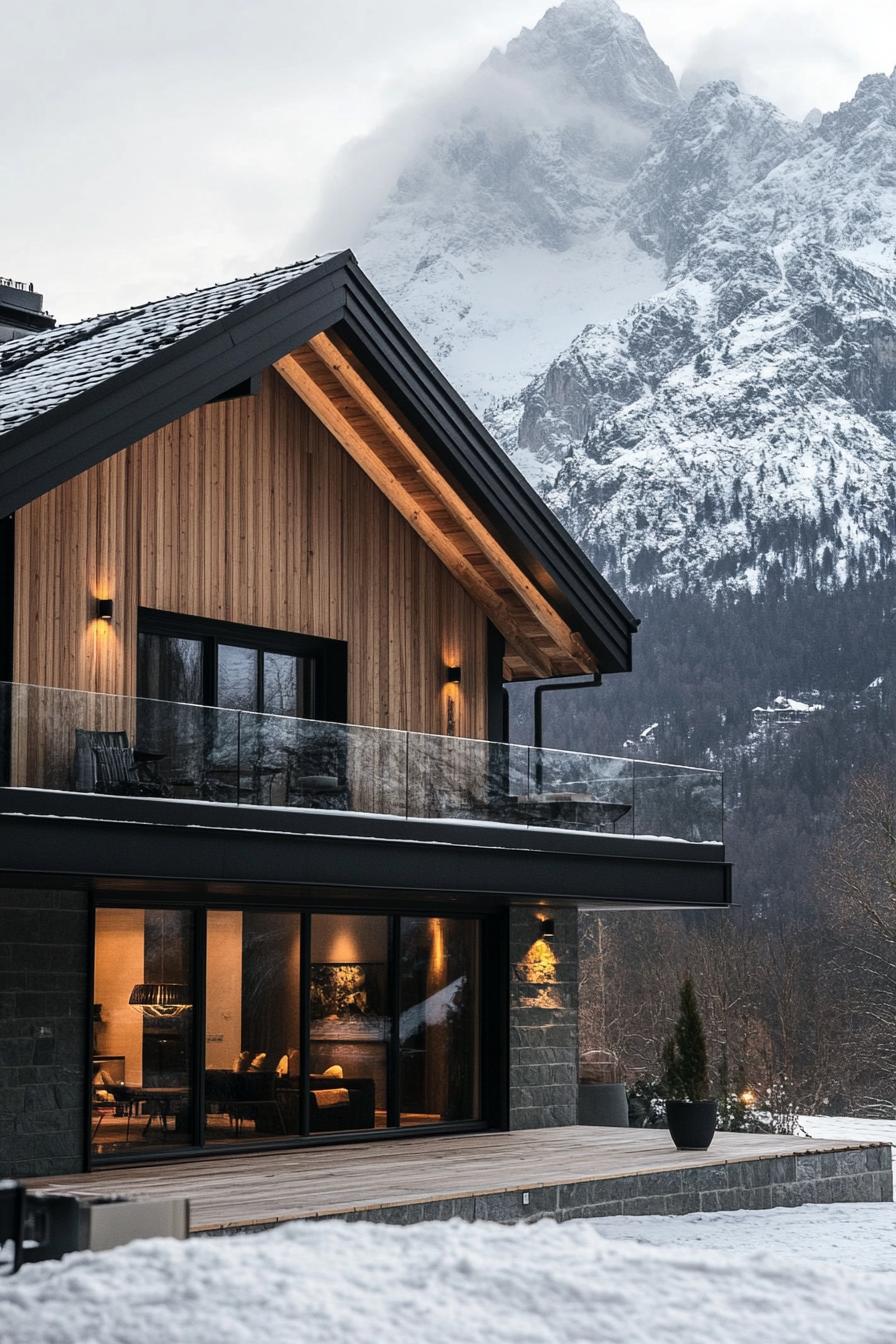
(241, 1027)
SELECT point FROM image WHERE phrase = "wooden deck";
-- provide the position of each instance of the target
(256, 1190)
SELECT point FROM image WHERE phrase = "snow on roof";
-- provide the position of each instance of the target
(46, 369)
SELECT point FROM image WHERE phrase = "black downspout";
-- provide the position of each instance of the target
(544, 688)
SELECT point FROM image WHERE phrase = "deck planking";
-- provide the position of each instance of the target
(246, 1190)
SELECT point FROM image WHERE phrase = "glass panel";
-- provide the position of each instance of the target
(350, 1022)
(439, 1023)
(142, 1030)
(237, 677)
(462, 779)
(169, 668)
(58, 739)
(252, 1011)
(281, 688)
(572, 791)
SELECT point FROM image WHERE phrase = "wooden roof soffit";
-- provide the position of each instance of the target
(336, 391)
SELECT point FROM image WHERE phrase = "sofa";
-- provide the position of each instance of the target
(272, 1103)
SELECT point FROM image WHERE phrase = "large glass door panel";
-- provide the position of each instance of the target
(350, 1022)
(252, 1013)
(142, 1030)
(439, 1021)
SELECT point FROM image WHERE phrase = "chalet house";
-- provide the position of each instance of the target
(271, 872)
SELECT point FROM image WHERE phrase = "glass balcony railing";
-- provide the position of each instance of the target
(82, 742)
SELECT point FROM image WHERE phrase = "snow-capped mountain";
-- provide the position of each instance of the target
(720, 282)
(499, 239)
(740, 425)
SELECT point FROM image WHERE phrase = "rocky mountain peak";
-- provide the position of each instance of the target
(602, 52)
(738, 428)
(499, 238)
(703, 154)
(872, 107)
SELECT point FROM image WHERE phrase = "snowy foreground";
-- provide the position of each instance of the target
(447, 1282)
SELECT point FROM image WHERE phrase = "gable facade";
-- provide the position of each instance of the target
(246, 511)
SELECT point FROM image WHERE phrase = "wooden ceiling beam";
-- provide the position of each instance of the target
(353, 441)
(566, 639)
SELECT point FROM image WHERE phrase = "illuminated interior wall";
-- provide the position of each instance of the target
(118, 967)
(348, 938)
(223, 1005)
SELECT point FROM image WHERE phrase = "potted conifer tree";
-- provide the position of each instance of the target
(690, 1111)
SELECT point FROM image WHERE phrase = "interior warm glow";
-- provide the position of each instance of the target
(119, 966)
(437, 948)
(223, 1006)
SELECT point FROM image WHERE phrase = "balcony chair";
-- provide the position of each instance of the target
(316, 775)
(105, 762)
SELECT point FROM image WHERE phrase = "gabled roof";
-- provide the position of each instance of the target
(73, 396)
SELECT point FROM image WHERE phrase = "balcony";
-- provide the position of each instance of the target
(76, 742)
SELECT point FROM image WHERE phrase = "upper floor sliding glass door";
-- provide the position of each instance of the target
(241, 756)
(288, 1026)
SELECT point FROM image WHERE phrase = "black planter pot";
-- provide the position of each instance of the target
(692, 1123)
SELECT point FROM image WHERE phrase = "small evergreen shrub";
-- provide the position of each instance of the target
(685, 1063)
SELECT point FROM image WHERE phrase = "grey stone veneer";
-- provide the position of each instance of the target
(852, 1176)
(857, 1175)
(43, 986)
(544, 1042)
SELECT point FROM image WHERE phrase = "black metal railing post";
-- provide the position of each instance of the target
(239, 747)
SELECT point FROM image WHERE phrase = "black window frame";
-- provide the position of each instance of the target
(329, 668)
(492, 1026)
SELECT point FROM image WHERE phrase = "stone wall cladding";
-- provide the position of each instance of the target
(43, 988)
(544, 1042)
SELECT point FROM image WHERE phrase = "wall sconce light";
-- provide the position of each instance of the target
(547, 929)
(452, 674)
(104, 608)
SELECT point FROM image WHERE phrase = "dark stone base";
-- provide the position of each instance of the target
(856, 1175)
(43, 1031)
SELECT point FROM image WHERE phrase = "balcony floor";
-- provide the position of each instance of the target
(567, 1172)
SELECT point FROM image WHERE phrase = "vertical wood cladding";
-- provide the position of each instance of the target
(248, 511)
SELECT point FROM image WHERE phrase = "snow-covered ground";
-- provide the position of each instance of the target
(472, 1283)
(852, 1236)
(603, 1280)
(849, 1127)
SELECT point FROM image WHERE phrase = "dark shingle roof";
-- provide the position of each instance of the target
(40, 372)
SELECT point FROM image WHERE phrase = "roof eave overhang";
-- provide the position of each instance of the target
(78, 434)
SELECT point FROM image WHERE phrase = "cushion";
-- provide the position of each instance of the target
(241, 1062)
(318, 783)
(331, 1096)
(334, 1071)
(259, 1062)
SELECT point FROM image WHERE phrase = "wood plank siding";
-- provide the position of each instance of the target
(249, 511)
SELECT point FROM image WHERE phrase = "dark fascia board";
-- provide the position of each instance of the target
(71, 839)
(532, 533)
(78, 434)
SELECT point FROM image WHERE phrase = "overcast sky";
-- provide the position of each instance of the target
(155, 145)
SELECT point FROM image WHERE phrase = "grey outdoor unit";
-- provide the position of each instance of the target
(55, 1225)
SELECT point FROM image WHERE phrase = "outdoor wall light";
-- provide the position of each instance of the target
(547, 929)
(104, 608)
(452, 673)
